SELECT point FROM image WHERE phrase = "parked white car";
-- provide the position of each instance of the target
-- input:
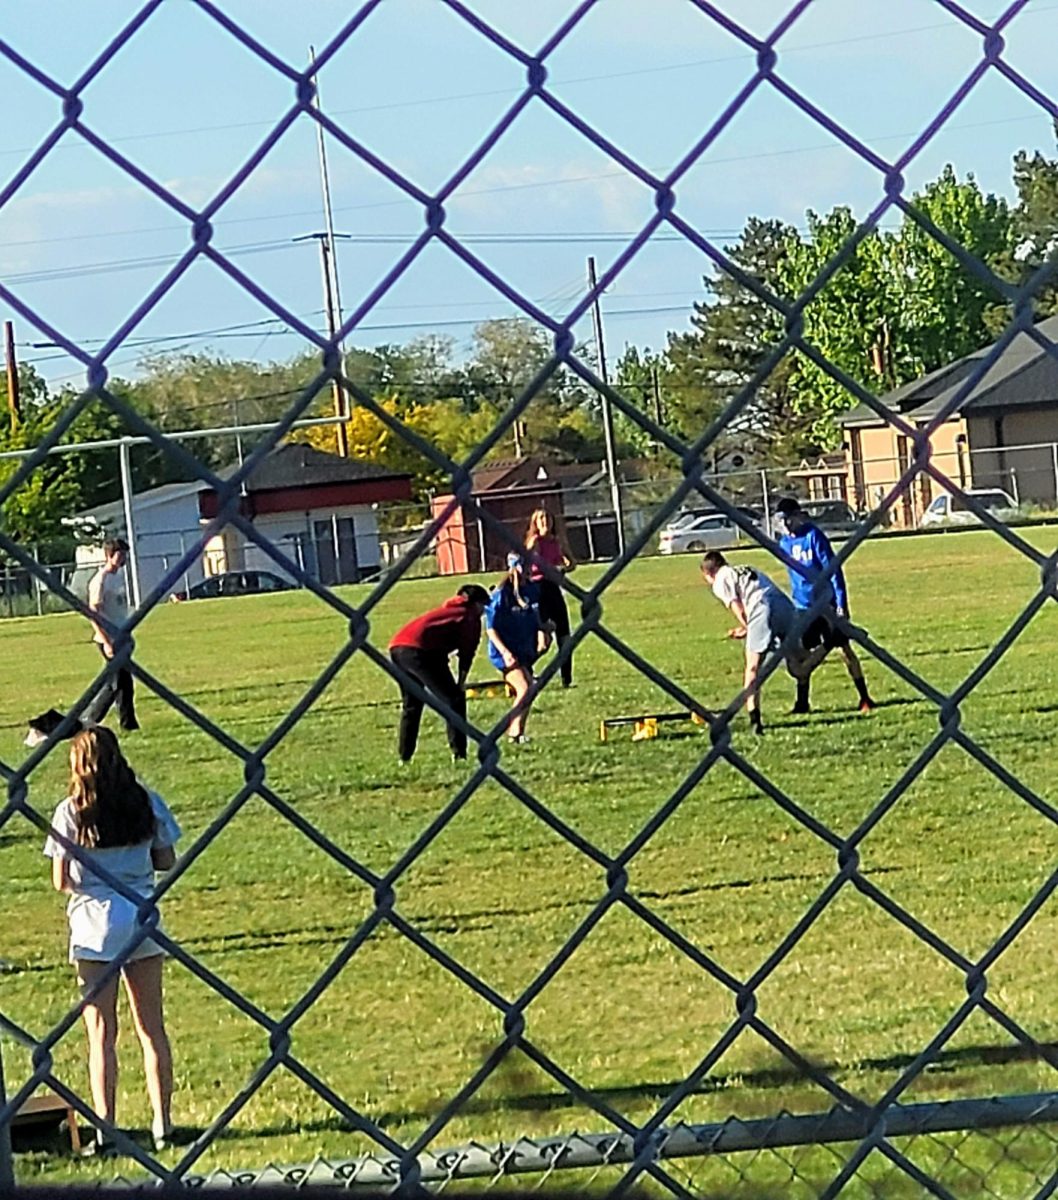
(950, 510)
(694, 534)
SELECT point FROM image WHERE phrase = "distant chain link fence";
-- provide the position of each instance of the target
(997, 1145)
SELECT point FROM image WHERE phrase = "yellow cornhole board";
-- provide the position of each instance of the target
(490, 689)
(645, 725)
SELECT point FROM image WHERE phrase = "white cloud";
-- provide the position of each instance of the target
(544, 194)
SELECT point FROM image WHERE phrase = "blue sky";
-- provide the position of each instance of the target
(82, 242)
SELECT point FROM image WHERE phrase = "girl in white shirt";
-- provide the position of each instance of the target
(130, 833)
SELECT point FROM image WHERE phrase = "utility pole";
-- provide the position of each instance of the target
(331, 289)
(607, 413)
(331, 313)
(13, 402)
(659, 412)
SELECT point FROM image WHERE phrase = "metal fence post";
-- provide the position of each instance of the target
(130, 527)
(766, 500)
(7, 1161)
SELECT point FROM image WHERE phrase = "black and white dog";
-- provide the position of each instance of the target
(42, 727)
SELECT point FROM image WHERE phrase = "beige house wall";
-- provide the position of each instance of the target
(877, 455)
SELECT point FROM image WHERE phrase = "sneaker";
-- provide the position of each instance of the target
(867, 706)
(800, 709)
(100, 1146)
(131, 727)
(162, 1141)
(520, 739)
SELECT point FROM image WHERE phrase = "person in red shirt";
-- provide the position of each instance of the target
(421, 650)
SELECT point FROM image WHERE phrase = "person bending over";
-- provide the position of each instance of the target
(422, 649)
(764, 617)
(517, 637)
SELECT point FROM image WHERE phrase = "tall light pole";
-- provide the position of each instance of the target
(332, 315)
(331, 288)
(13, 403)
(607, 414)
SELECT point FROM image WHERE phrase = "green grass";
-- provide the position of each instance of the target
(627, 1015)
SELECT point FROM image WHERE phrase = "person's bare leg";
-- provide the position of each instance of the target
(520, 680)
(101, 1027)
(752, 690)
(852, 665)
(143, 982)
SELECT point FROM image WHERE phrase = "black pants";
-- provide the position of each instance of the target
(117, 686)
(431, 671)
(553, 609)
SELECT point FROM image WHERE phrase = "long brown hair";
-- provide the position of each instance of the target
(111, 807)
(531, 534)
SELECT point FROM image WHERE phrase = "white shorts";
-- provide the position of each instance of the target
(100, 929)
(769, 624)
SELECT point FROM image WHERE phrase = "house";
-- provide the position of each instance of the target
(509, 492)
(822, 478)
(1004, 434)
(578, 494)
(319, 509)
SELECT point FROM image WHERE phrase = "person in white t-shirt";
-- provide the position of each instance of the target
(106, 596)
(129, 833)
(765, 616)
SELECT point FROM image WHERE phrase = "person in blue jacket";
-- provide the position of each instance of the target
(808, 545)
(516, 638)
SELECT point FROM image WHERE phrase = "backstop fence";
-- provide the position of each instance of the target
(856, 1140)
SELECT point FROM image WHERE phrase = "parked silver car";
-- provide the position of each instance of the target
(947, 509)
(691, 534)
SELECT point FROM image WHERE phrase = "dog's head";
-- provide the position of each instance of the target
(42, 727)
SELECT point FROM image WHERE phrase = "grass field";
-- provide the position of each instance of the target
(628, 1015)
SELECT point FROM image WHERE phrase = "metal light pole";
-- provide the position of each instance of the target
(130, 527)
(13, 402)
(333, 318)
(331, 287)
(607, 414)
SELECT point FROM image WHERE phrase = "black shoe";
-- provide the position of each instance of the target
(800, 709)
(131, 726)
(100, 1146)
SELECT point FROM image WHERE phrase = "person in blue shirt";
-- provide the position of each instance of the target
(808, 545)
(516, 638)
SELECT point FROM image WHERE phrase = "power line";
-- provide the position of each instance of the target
(542, 183)
(628, 73)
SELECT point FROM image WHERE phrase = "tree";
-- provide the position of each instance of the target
(900, 305)
(944, 305)
(1034, 233)
(734, 331)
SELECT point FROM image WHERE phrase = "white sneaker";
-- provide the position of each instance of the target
(520, 739)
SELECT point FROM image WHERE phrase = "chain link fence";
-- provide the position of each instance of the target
(893, 1145)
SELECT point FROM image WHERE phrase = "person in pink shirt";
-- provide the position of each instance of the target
(546, 545)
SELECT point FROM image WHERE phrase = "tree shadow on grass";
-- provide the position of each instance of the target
(764, 1079)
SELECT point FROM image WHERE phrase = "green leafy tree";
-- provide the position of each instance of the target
(1034, 234)
(733, 332)
(942, 306)
(900, 305)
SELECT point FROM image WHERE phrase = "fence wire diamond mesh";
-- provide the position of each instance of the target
(889, 1146)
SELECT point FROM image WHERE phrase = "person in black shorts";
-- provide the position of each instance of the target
(808, 545)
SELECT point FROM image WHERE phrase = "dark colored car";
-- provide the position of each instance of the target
(832, 516)
(234, 583)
